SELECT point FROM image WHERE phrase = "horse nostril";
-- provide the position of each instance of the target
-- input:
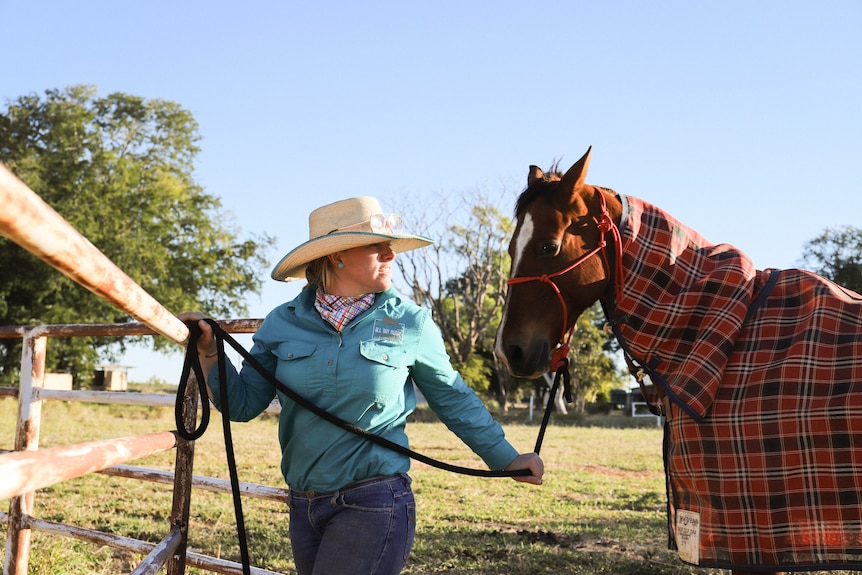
(514, 354)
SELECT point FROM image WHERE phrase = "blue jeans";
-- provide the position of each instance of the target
(365, 528)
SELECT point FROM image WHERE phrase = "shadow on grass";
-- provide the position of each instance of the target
(528, 552)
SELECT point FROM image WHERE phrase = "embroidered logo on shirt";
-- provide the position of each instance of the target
(388, 329)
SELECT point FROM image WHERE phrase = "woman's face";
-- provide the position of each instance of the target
(366, 269)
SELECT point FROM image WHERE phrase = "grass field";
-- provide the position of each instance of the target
(601, 509)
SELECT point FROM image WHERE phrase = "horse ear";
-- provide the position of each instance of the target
(535, 175)
(577, 174)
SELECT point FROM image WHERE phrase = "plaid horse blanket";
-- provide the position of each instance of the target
(760, 375)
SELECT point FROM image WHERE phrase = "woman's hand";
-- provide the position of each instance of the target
(530, 461)
(207, 349)
(206, 342)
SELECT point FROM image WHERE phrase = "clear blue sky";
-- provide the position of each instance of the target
(741, 118)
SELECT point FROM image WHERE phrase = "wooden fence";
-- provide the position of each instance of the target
(31, 223)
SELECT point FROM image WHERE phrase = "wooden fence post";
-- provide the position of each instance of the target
(26, 439)
(183, 473)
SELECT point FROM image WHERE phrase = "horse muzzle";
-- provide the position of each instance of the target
(524, 360)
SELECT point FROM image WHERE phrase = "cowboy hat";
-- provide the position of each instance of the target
(341, 226)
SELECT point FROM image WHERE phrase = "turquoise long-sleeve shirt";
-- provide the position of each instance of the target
(363, 375)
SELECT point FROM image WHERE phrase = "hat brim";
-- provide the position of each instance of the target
(292, 266)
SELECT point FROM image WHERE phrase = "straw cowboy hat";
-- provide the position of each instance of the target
(343, 225)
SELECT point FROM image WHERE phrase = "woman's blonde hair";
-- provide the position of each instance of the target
(319, 272)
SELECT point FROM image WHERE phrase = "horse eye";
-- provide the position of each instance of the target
(549, 249)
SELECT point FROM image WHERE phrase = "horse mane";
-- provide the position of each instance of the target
(530, 193)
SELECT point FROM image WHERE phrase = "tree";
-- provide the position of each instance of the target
(462, 279)
(837, 254)
(594, 371)
(120, 169)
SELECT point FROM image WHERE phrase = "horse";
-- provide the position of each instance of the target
(757, 371)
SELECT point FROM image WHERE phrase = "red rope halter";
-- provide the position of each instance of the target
(605, 224)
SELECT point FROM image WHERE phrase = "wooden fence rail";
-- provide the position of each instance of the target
(25, 471)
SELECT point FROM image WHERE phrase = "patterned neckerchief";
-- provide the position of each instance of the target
(341, 310)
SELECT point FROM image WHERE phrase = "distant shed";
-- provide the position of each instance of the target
(62, 381)
(111, 378)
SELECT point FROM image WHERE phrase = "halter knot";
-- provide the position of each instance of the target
(560, 358)
(606, 223)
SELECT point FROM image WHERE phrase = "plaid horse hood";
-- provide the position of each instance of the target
(684, 302)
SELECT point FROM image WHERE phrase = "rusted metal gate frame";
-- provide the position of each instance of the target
(29, 221)
(20, 520)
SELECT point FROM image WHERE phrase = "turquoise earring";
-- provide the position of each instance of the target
(341, 265)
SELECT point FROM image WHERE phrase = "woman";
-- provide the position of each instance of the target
(350, 344)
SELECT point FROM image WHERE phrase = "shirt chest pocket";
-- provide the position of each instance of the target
(295, 364)
(293, 350)
(386, 369)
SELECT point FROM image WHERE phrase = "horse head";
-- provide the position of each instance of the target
(558, 266)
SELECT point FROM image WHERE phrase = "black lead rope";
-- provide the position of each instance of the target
(192, 362)
(562, 373)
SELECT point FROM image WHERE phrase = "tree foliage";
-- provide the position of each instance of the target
(120, 170)
(837, 254)
(462, 279)
(594, 371)
(468, 306)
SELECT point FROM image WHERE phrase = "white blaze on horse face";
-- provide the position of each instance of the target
(524, 237)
